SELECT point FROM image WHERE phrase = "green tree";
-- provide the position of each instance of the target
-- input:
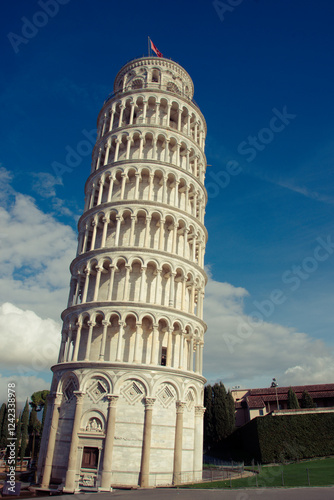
(18, 437)
(221, 414)
(44, 413)
(24, 430)
(307, 401)
(38, 403)
(208, 417)
(34, 428)
(38, 399)
(4, 429)
(292, 400)
(231, 412)
(2, 415)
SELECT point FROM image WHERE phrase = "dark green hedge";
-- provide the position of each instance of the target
(288, 437)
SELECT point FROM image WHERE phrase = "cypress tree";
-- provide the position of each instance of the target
(231, 412)
(24, 427)
(307, 401)
(2, 415)
(4, 430)
(33, 430)
(44, 414)
(38, 403)
(292, 400)
(18, 437)
(34, 423)
(208, 417)
(220, 413)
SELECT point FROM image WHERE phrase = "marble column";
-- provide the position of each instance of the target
(161, 234)
(112, 113)
(77, 342)
(84, 294)
(105, 221)
(91, 325)
(68, 345)
(70, 480)
(181, 350)
(169, 346)
(57, 397)
(155, 333)
(132, 113)
(142, 283)
(99, 197)
(147, 231)
(150, 189)
(97, 282)
(109, 444)
(94, 224)
(177, 466)
(120, 341)
(145, 457)
(111, 185)
(198, 443)
(118, 229)
(111, 281)
(62, 347)
(136, 352)
(103, 339)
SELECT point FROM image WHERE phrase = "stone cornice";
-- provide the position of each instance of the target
(129, 367)
(150, 90)
(154, 204)
(153, 126)
(135, 251)
(147, 163)
(136, 307)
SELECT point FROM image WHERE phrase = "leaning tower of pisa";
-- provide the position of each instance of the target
(126, 401)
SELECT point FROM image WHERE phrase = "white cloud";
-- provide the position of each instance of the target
(30, 348)
(35, 253)
(240, 351)
(32, 343)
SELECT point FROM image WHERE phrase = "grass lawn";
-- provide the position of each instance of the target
(321, 473)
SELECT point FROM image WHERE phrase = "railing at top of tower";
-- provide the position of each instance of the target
(152, 86)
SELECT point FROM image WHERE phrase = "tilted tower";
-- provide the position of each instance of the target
(126, 401)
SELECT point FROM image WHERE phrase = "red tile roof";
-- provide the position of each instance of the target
(257, 398)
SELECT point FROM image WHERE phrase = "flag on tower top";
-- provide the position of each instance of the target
(155, 49)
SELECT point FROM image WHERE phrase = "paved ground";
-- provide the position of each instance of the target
(179, 494)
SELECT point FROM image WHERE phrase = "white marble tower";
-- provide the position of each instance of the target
(126, 401)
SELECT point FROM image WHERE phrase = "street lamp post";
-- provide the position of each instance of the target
(275, 384)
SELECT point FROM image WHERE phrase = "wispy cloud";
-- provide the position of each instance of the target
(303, 190)
(44, 184)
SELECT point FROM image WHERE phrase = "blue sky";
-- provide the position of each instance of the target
(263, 76)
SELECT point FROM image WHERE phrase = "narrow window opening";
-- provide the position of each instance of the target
(163, 356)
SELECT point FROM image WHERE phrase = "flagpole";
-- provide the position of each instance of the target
(148, 45)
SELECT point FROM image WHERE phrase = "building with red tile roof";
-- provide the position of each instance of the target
(251, 403)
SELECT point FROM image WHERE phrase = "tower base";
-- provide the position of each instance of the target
(124, 426)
